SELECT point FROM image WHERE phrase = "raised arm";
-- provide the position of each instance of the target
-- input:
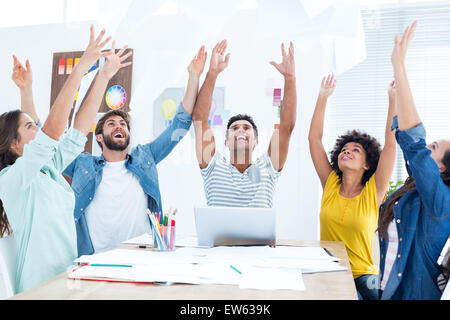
(205, 146)
(85, 117)
(59, 113)
(23, 78)
(411, 137)
(279, 143)
(316, 148)
(408, 116)
(195, 70)
(387, 155)
(182, 120)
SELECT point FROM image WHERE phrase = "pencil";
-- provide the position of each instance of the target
(235, 269)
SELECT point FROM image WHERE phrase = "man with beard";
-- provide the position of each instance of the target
(113, 191)
(239, 182)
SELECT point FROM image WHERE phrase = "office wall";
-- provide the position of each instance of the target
(164, 45)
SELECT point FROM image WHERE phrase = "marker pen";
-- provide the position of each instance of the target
(172, 234)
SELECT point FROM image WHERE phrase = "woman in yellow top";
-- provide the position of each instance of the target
(354, 183)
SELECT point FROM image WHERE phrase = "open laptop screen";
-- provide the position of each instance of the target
(235, 226)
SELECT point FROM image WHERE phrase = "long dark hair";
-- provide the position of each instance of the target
(9, 131)
(387, 211)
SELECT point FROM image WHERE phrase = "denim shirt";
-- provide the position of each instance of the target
(422, 217)
(86, 173)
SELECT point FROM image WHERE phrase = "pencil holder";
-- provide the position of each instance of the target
(163, 238)
(163, 232)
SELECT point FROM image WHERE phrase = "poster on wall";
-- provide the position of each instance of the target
(166, 104)
(118, 91)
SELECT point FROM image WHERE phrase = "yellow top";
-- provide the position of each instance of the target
(352, 221)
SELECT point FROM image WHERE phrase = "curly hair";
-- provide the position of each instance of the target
(370, 145)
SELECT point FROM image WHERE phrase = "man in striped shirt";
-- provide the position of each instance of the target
(238, 182)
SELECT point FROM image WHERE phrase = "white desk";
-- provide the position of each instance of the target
(319, 286)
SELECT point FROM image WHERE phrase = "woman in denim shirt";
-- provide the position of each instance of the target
(419, 212)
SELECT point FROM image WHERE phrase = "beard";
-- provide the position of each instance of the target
(115, 146)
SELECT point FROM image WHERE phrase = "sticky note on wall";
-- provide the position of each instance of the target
(276, 97)
(69, 66)
(217, 120)
(62, 66)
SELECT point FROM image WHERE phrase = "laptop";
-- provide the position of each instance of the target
(217, 226)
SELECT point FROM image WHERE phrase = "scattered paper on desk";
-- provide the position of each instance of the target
(218, 273)
(311, 253)
(272, 279)
(167, 272)
(105, 273)
(263, 267)
(142, 257)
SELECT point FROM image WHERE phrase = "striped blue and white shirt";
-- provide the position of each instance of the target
(226, 186)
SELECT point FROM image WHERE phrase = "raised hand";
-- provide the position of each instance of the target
(287, 65)
(218, 59)
(93, 51)
(115, 61)
(392, 91)
(198, 63)
(401, 47)
(327, 86)
(22, 77)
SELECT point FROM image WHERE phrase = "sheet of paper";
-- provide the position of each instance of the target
(316, 253)
(208, 273)
(110, 273)
(272, 279)
(145, 257)
(155, 273)
(145, 239)
(266, 252)
(84, 87)
(218, 273)
(314, 8)
(280, 267)
(350, 51)
(168, 272)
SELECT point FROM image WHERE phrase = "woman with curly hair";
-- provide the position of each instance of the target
(415, 221)
(354, 182)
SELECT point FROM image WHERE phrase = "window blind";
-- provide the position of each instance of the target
(360, 100)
